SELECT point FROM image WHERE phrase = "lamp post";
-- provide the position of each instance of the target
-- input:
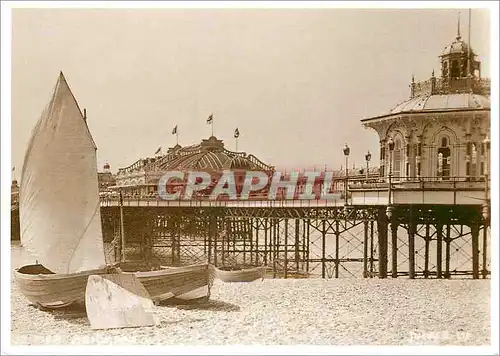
(391, 150)
(487, 145)
(346, 150)
(368, 157)
(486, 204)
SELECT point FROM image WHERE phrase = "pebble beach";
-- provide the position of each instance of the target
(336, 312)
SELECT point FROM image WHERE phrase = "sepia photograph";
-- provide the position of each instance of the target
(250, 177)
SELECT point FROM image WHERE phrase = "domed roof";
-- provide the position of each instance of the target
(457, 47)
(456, 101)
(210, 155)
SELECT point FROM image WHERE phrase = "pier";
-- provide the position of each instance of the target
(437, 231)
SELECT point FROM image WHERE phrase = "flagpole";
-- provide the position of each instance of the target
(212, 125)
(177, 136)
(236, 144)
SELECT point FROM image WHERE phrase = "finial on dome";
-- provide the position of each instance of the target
(413, 78)
(433, 72)
(458, 28)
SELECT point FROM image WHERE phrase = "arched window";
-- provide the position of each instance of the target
(444, 159)
(473, 170)
(455, 69)
(445, 69)
(464, 69)
(397, 159)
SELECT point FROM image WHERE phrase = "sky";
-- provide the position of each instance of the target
(296, 82)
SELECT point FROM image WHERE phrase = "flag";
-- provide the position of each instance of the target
(236, 133)
(158, 150)
(174, 131)
(210, 119)
(13, 169)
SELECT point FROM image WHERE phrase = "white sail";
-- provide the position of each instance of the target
(59, 209)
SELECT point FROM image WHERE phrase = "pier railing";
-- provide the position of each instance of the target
(395, 186)
(399, 182)
(206, 202)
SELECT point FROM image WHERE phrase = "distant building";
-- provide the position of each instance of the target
(142, 177)
(106, 179)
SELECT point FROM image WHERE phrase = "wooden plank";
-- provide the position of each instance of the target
(118, 301)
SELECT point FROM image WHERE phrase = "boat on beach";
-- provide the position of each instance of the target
(51, 290)
(235, 274)
(187, 283)
(60, 218)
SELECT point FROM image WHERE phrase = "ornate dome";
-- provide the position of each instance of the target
(210, 155)
(460, 101)
(457, 47)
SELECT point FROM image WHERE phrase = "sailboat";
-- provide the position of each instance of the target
(60, 218)
(59, 208)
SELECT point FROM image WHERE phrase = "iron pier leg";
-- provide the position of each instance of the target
(308, 242)
(394, 244)
(244, 235)
(172, 244)
(257, 237)
(215, 239)
(337, 248)
(372, 251)
(323, 250)
(426, 251)
(297, 244)
(382, 243)
(274, 246)
(223, 243)
(211, 236)
(265, 241)
(474, 229)
(286, 249)
(439, 250)
(447, 251)
(485, 246)
(365, 250)
(411, 249)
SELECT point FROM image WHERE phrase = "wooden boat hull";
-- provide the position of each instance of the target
(43, 287)
(242, 275)
(184, 283)
(50, 290)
